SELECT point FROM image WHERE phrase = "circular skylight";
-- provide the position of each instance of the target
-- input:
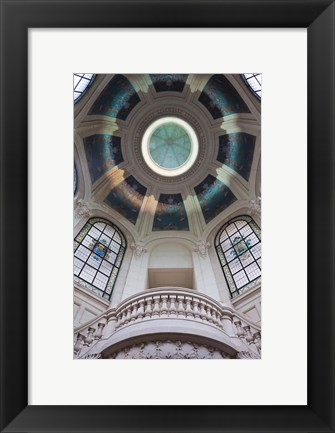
(170, 146)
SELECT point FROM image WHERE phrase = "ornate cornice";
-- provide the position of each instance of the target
(82, 209)
(168, 349)
(143, 125)
(255, 207)
(202, 248)
(138, 249)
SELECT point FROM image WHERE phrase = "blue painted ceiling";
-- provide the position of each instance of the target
(105, 151)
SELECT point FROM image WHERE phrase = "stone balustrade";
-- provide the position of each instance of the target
(169, 303)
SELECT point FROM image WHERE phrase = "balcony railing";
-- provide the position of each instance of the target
(168, 303)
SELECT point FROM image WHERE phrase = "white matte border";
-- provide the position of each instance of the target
(281, 376)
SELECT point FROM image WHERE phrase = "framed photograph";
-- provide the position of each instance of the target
(167, 243)
(136, 130)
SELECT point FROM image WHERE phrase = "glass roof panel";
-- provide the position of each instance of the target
(170, 146)
(81, 82)
(254, 82)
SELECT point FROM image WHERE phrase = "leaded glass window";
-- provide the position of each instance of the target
(254, 82)
(238, 245)
(98, 252)
(81, 83)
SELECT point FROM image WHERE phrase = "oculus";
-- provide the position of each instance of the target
(170, 146)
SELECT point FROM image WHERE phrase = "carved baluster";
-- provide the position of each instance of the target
(133, 316)
(188, 310)
(140, 311)
(128, 315)
(98, 334)
(214, 316)
(164, 308)
(203, 313)
(156, 309)
(118, 320)
(209, 313)
(219, 319)
(248, 335)
(123, 318)
(240, 332)
(89, 336)
(181, 309)
(111, 325)
(173, 310)
(258, 341)
(196, 310)
(227, 325)
(148, 309)
(250, 338)
(79, 343)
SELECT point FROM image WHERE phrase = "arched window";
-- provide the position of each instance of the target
(238, 245)
(81, 83)
(75, 179)
(98, 252)
(254, 82)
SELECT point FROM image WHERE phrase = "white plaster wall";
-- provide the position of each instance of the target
(86, 306)
(170, 255)
(136, 279)
(220, 281)
(171, 264)
(249, 304)
(122, 278)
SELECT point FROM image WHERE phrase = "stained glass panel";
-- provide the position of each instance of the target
(256, 251)
(114, 246)
(88, 242)
(94, 261)
(100, 226)
(226, 245)
(238, 244)
(223, 236)
(246, 230)
(105, 240)
(106, 268)
(235, 266)
(94, 233)
(231, 229)
(240, 279)
(240, 224)
(111, 257)
(82, 253)
(97, 248)
(252, 240)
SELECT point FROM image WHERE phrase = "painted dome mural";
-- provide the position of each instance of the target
(168, 152)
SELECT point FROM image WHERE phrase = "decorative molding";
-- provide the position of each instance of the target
(202, 248)
(93, 356)
(144, 124)
(82, 209)
(138, 249)
(169, 303)
(246, 355)
(255, 207)
(168, 349)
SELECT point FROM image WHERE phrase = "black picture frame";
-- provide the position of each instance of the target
(318, 17)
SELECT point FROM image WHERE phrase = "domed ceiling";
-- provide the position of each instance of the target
(164, 152)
